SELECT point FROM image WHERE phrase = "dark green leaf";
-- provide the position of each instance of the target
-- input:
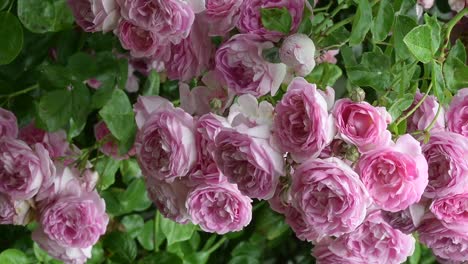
(383, 22)
(271, 55)
(403, 25)
(45, 15)
(146, 236)
(121, 246)
(152, 84)
(338, 37)
(244, 260)
(419, 43)
(97, 255)
(4, 4)
(416, 257)
(133, 224)
(276, 19)
(135, 198)
(362, 22)
(438, 83)
(54, 110)
(13, 256)
(129, 170)
(270, 224)
(161, 258)
(306, 24)
(373, 71)
(11, 35)
(176, 232)
(325, 74)
(113, 206)
(455, 70)
(106, 168)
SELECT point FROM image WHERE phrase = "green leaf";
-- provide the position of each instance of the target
(438, 83)
(419, 43)
(135, 198)
(270, 224)
(455, 70)
(271, 55)
(4, 4)
(416, 257)
(97, 254)
(11, 35)
(325, 74)
(373, 71)
(13, 256)
(400, 105)
(121, 246)
(243, 260)
(82, 65)
(152, 84)
(338, 37)
(362, 22)
(197, 258)
(161, 258)
(118, 115)
(276, 19)
(106, 168)
(306, 24)
(45, 15)
(436, 32)
(133, 224)
(403, 25)
(129, 169)
(176, 232)
(146, 236)
(383, 21)
(54, 110)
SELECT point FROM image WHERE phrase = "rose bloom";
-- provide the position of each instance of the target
(222, 15)
(447, 156)
(362, 124)
(301, 228)
(396, 175)
(298, 51)
(170, 20)
(241, 63)
(424, 115)
(444, 242)
(169, 198)
(13, 212)
(146, 105)
(457, 114)
(110, 146)
(328, 56)
(219, 208)
(8, 124)
(426, 4)
(23, 171)
(249, 162)
(302, 124)
(330, 196)
(165, 145)
(141, 42)
(54, 142)
(452, 211)
(458, 5)
(408, 220)
(95, 15)
(250, 16)
(374, 242)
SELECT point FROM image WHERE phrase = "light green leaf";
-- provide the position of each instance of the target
(325, 74)
(11, 37)
(270, 224)
(400, 105)
(45, 15)
(152, 84)
(135, 198)
(362, 22)
(419, 43)
(13, 256)
(133, 224)
(276, 19)
(438, 82)
(130, 170)
(176, 232)
(403, 25)
(146, 236)
(106, 168)
(455, 70)
(383, 22)
(373, 71)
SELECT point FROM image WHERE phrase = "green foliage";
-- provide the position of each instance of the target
(11, 35)
(13, 256)
(45, 15)
(362, 22)
(276, 19)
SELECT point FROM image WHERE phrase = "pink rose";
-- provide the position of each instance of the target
(95, 15)
(444, 242)
(249, 162)
(250, 17)
(426, 4)
(54, 142)
(222, 15)
(83, 14)
(457, 114)
(374, 242)
(362, 124)
(240, 62)
(458, 5)
(301, 228)
(219, 208)
(170, 20)
(141, 42)
(447, 156)
(424, 115)
(8, 124)
(328, 56)
(23, 171)
(192, 56)
(408, 220)
(330, 196)
(452, 211)
(396, 175)
(302, 124)
(13, 212)
(169, 198)
(298, 51)
(146, 105)
(165, 145)
(109, 146)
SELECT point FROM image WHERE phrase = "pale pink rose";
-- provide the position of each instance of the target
(408, 220)
(395, 175)
(170, 20)
(424, 115)
(361, 124)
(281, 200)
(250, 17)
(328, 56)
(457, 114)
(106, 15)
(69, 255)
(444, 242)
(374, 242)
(241, 63)
(330, 196)
(169, 198)
(458, 5)
(426, 4)
(146, 105)
(298, 51)
(222, 15)
(110, 145)
(165, 145)
(23, 171)
(452, 211)
(55, 142)
(219, 208)
(197, 6)
(447, 157)
(132, 85)
(249, 162)
(14, 212)
(141, 42)
(301, 228)
(192, 56)
(83, 13)
(8, 124)
(302, 124)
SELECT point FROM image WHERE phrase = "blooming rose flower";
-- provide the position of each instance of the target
(362, 124)
(146, 105)
(396, 175)
(302, 124)
(8, 124)
(457, 114)
(69, 255)
(328, 56)
(249, 162)
(281, 200)
(452, 211)
(426, 4)
(110, 146)
(169, 198)
(23, 171)
(83, 14)
(458, 5)
(13, 212)
(106, 14)
(424, 115)
(54, 142)
(408, 220)
(141, 42)
(240, 62)
(447, 156)
(301, 228)
(166, 144)
(444, 242)
(219, 208)
(330, 196)
(170, 20)
(222, 15)
(373, 242)
(298, 51)
(250, 16)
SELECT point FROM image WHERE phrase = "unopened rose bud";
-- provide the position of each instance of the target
(358, 94)
(298, 52)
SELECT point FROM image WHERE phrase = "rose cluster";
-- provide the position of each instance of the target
(38, 182)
